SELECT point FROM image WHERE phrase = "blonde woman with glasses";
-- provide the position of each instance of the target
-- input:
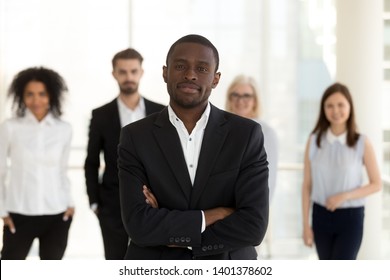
(243, 99)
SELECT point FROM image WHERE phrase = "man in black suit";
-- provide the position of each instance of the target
(193, 179)
(104, 134)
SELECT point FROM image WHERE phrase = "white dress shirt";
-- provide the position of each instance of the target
(36, 153)
(127, 115)
(191, 143)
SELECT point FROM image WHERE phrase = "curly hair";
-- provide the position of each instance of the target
(54, 83)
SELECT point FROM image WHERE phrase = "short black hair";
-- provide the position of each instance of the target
(198, 39)
(129, 53)
(54, 83)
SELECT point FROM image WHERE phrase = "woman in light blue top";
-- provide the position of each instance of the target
(333, 183)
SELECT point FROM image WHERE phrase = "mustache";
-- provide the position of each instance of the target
(129, 82)
(188, 84)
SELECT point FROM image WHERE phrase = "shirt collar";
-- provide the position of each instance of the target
(48, 119)
(201, 123)
(122, 106)
(342, 138)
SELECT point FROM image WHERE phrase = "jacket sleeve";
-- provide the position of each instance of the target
(92, 162)
(145, 225)
(248, 224)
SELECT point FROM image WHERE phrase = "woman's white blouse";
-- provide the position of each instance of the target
(33, 166)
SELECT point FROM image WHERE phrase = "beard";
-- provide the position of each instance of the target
(128, 88)
(187, 101)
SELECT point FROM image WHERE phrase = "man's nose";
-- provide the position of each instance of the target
(190, 74)
(129, 76)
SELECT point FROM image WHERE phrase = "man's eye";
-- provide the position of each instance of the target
(179, 67)
(202, 69)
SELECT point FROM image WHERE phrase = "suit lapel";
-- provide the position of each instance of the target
(169, 142)
(213, 139)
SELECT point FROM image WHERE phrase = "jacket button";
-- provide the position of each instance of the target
(210, 247)
(182, 239)
(204, 248)
(171, 240)
(188, 239)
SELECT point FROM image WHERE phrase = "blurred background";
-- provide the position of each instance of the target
(293, 48)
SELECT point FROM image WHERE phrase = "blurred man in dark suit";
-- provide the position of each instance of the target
(104, 132)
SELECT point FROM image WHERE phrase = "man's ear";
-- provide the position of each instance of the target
(217, 76)
(165, 73)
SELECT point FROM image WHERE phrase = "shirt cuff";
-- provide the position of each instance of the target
(203, 222)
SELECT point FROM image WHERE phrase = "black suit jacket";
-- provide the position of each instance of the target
(232, 172)
(104, 131)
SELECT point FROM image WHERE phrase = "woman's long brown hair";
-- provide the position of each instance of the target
(323, 123)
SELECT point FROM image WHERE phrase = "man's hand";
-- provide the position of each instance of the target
(216, 214)
(150, 198)
(95, 208)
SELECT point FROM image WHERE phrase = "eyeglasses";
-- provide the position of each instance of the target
(246, 97)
